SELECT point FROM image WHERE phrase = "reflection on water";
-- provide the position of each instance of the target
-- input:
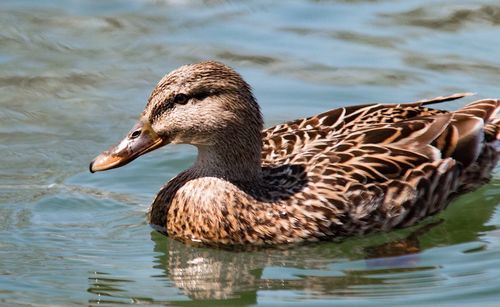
(74, 75)
(363, 267)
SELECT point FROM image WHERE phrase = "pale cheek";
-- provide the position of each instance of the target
(188, 133)
(194, 124)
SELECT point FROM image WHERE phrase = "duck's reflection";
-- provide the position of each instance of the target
(204, 273)
(358, 267)
(315, 269)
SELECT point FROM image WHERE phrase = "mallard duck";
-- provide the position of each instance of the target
(345, 172)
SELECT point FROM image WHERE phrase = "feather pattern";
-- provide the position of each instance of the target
(349, 171)
(344, 172)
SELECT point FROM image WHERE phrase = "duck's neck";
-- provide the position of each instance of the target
(236, 159)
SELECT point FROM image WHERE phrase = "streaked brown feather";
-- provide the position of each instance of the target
(344, 172)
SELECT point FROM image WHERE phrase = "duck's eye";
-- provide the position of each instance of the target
(181, 98)
(135, 134)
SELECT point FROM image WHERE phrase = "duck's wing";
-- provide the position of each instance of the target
(393, 172)
(290, 138)
(383, 151)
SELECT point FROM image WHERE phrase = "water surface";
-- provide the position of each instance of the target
(74, 75)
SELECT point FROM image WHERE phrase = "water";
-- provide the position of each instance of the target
(74, 75)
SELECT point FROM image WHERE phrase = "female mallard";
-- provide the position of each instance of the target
(344, 172)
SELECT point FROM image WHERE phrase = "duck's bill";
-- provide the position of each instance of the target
(140, 140)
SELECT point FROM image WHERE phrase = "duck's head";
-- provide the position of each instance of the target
(203, 104)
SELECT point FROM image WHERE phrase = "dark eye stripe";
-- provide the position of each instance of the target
(201, 95)
(204, 94)
(158, 109)
(181, 98)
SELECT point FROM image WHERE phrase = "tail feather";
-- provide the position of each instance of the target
(470, 127)
(485, 109)
(492, 129)
(489, 109)
(470, 138)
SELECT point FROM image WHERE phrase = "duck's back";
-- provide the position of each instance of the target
(382, 166)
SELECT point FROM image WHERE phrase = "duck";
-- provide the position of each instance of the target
(345, 172)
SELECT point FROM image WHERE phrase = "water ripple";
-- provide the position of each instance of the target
(75, 75)
(448, 18)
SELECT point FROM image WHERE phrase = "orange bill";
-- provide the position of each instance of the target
(140, 140)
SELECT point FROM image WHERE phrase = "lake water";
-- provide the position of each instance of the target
(74, 75)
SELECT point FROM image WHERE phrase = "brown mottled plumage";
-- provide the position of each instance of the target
(344, 172)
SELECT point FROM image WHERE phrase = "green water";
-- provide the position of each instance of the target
(74, 75)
